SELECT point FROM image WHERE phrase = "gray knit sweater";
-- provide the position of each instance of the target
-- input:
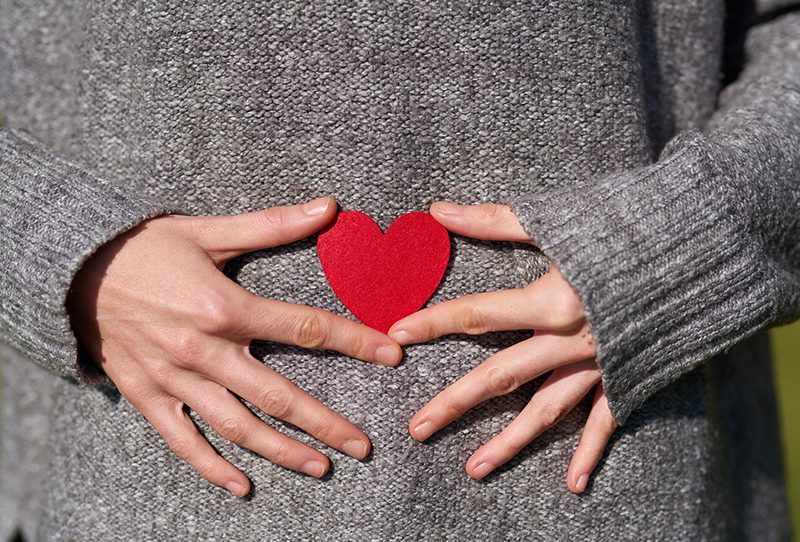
(651, 148)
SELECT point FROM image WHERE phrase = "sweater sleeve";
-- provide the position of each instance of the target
(54, 215)
(679, 260)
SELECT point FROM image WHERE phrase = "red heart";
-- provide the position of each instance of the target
(383, 277)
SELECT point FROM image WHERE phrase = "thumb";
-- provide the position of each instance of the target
(229, 236)
(487, 221)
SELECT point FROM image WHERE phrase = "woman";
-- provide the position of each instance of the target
(152, 151)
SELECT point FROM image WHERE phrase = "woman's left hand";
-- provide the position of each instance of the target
(562, 343)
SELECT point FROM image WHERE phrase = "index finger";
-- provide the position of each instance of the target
(546, 303)
(315, 328)
(472, 314)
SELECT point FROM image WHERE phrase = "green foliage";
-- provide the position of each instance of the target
(786, 347)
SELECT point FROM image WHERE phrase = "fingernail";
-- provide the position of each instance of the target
(317, 206)
(444, 208)
(424, 430)
(402, 336)
(236, 488)
(387, 354)
(355, 448)
(482, 470)
(582, 481)
(313, 467)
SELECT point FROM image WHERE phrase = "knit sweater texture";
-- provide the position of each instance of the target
(651, 149)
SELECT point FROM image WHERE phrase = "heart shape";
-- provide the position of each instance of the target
(379, 277)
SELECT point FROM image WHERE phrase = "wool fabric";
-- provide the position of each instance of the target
(650, 148)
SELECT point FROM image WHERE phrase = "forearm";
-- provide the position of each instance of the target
(55, 214)
(679, 260)
(757, 129)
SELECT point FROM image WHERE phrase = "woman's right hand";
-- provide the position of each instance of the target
(156, 312)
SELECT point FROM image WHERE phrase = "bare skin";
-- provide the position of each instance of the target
(172, 331)
(562, 344)
(155, 310)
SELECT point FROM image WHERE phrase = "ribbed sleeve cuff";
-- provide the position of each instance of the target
(55, 214)
(663, 262)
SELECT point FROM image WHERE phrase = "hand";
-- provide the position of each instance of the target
(170, 329)
(562, 343)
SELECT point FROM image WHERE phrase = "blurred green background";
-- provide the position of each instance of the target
(786, 348)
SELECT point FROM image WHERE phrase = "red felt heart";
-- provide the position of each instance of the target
(383, 277)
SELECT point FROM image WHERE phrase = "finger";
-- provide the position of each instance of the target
(234, 422)
(473, 314)
(167, 416)
(557, 397)
(487, 221)
(231, 235)
(600, 425)
(547, 303)
(500, 374)
(311, 327)
(276, 395)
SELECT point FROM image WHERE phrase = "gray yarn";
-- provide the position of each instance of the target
(671, 207)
